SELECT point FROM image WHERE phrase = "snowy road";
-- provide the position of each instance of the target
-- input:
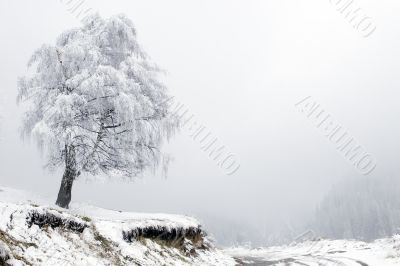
(383, 252)
(302, 261)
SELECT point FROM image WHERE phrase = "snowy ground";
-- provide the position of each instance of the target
(34, 232)
(31, 234)
(384, 252)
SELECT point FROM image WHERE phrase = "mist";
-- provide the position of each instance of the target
(240, 68)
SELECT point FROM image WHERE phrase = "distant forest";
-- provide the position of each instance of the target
(360, 208)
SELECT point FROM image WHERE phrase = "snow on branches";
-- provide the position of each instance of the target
(97, 93)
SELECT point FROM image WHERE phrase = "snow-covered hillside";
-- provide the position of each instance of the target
(33, 232)
(384, 252)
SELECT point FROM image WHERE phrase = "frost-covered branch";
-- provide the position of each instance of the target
(97, 94)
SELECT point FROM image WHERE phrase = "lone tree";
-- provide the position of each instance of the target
(96, 103)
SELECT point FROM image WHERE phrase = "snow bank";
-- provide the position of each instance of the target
(383, 252)
(33, 232)
(4, 254)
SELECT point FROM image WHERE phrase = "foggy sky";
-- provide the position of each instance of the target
(239, 67)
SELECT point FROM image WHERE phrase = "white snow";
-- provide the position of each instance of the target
(100, 243)
(384, 252)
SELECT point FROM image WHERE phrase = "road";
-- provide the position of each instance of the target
(303, 260)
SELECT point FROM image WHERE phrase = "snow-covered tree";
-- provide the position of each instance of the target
(96, 103)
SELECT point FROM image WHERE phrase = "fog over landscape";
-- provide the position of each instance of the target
(240, 68)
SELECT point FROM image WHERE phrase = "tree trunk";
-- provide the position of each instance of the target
(70, 173)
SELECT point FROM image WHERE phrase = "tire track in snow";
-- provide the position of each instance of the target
(301, 260)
